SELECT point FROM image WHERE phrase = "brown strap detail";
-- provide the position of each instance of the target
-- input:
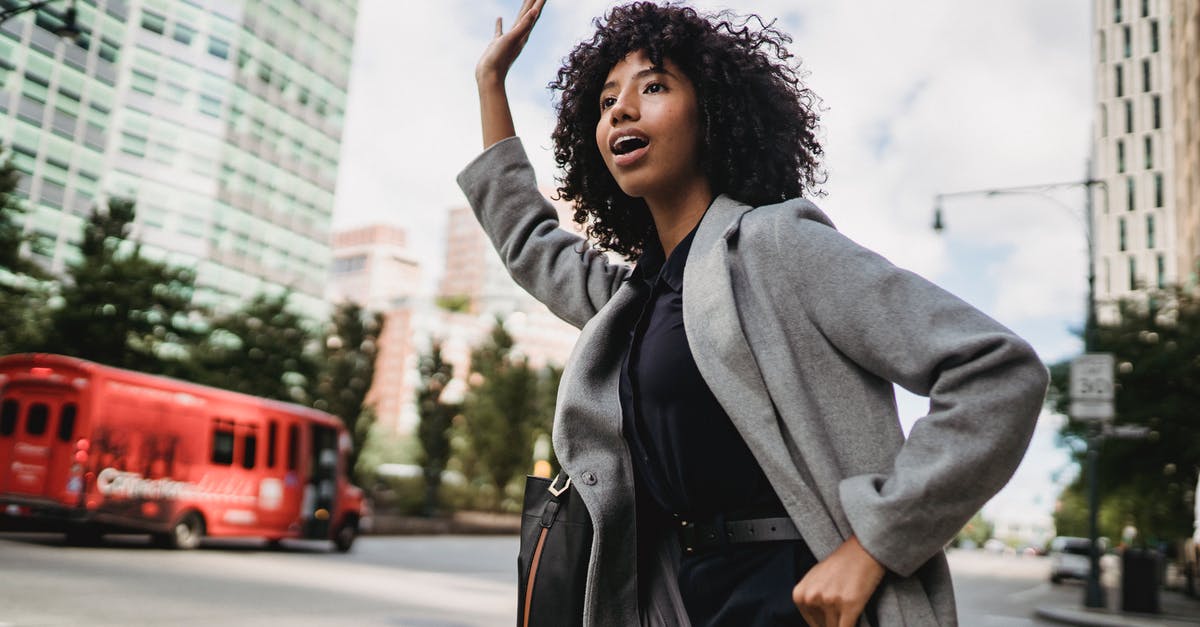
(533, 567)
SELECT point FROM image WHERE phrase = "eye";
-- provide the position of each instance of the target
(607, 102)
(654, 88)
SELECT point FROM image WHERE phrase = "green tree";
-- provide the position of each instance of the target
(501, 408)
(547, 402)
(23, 285)
(347, 370)
(1146, 482)
(264, 349)
(437, 416)
(122, 308)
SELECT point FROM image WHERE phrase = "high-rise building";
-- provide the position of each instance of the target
(1185, 51)
(221, 118)
(1134, 222)
(372, 266)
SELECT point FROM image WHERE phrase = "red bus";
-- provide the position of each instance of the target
(93, 449)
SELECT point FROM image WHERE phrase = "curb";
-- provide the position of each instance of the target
(1104, 618)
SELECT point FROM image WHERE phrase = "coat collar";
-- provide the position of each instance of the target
(724, 357)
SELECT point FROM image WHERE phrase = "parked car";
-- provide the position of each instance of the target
(1069, 558)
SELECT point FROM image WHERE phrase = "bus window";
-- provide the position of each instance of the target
(249, 449)
(293, 450)
(36, 419)
(222, 447)
(272, 435)
(8, 417)
(66, 422)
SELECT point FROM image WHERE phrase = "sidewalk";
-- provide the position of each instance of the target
(1177, 611)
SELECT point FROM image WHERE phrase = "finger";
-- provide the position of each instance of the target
(832, 616)
(848, 618)
(811, 618)
(499, 26)
(525, 4)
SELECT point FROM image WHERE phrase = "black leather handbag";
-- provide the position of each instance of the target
(556, 544)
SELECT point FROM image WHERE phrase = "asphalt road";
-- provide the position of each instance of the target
(439, 581)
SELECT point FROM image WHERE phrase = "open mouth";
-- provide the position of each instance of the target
(629, 143)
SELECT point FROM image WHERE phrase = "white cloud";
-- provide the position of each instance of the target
(923, 98)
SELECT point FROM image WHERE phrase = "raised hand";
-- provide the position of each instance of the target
(500, 53)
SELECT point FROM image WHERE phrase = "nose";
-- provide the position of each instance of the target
(625, 108)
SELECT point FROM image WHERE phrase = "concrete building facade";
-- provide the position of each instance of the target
(1185, 50)
(1134, 222)
(221, 118)
(373, 266)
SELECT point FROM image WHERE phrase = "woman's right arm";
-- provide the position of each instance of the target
(558, 268)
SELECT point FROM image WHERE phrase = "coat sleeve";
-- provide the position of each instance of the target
(558, 268)
(986, 388)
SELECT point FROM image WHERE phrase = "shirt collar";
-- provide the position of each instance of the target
(651, 266)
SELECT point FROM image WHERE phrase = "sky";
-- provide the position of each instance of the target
(917, 99)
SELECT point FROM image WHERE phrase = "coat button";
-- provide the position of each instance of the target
(589, 478)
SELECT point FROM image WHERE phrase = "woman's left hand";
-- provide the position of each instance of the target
(835, 592)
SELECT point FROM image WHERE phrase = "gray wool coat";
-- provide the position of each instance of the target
(800, 333)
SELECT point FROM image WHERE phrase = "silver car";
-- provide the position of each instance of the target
(1069, 558)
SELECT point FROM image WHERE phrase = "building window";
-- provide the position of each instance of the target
(143, 82)
(1156, 106)
(1103, 121)
(1161, 272)
(1145, 8)
(153, 22)
(1116, 11)
(1158, 189)
(1129, 116)
(1148, 146)
(1145, 74)
(218, 47)
(1121, 235)
(184, 34)
(1133, 283)
(1150, 231)
(1119, 81)
(349, 264)
(1127, 41)
(1120, 156)
(1129, 194)
(1103, 46)
(1153, 35)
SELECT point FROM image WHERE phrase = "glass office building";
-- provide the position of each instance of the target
(221, 118)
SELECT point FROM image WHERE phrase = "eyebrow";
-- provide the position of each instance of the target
(640, 75)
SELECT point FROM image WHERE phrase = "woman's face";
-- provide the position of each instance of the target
(649, 128)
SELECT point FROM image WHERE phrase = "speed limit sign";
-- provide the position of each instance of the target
(1092, 386)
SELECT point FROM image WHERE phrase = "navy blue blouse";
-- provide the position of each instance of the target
(691, 463)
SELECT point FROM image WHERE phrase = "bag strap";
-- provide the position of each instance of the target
(557, 493)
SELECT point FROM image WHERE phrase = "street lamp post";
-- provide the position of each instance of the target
(939, 224)
(69, 29)
(1094, 593)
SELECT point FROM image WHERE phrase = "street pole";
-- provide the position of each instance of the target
(1094, 594)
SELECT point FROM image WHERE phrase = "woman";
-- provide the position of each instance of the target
(738, 449)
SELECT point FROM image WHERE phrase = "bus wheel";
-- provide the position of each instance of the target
(186, 533)
(344, 538)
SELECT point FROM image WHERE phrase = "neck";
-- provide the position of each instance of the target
(676, 214)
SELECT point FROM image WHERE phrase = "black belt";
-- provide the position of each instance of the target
(696, 536)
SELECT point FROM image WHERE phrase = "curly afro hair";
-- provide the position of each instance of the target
(758, 120)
